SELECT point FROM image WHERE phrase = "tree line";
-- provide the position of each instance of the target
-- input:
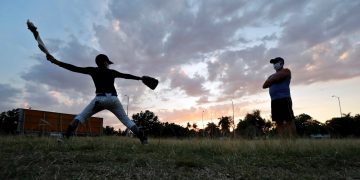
(252, 126)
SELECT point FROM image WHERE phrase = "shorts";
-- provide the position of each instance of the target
(281, 110)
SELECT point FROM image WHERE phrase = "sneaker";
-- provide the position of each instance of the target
(70, 131)
(142, 136)
(140, 133)
(144, 141)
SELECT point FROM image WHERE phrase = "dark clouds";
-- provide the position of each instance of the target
(321, 21)
(318, 39)
(8, 96)
(58, 78)
(47, 84)
(168, 36)
(37, 95)
(191, 86)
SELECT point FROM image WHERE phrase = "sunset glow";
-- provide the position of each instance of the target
(208, 56)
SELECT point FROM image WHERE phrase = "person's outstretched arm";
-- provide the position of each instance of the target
(126, 76)
(67, 66)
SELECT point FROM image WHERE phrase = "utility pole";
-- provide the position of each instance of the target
(233, 118)
(127, 105)
(339, 103)
(202, 119)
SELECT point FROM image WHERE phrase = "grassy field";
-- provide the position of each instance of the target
(125, 158)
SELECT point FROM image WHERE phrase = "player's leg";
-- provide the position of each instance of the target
(289, 114)
(277, 117)
(92, 108)
(292, 129)
(118, 110)
(280, 129)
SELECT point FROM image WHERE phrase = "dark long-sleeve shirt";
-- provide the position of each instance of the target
(103, 78)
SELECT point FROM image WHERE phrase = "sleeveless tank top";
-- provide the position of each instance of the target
(280, 90)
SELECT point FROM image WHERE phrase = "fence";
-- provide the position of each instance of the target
(52, 123)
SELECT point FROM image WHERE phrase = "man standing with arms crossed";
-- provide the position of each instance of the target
(106, 95)
(281, 103)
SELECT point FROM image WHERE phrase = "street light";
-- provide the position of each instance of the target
(127, 105)
(339, 103)
(233, 118)
(202, 118)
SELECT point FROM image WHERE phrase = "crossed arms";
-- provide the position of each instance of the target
(277, 77)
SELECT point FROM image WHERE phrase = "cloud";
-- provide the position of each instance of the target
(61, 79)
(37, 95)
(8, 96)
(155, 40)
(320, 22)
(208, 114)
(239, 72)
(326, 62)
(233, 40)
(157, 37)
(192, 86)
(50, 87)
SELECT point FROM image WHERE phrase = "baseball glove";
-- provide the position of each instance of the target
(150, 82)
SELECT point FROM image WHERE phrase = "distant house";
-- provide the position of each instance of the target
(38, 122)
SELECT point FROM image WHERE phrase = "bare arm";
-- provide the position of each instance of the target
(126, 76)
(277, 77)
(67, 66)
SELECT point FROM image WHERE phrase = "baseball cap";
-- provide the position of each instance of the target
(102, 58)
(277, 59)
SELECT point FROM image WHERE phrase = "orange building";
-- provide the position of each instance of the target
(54, 123)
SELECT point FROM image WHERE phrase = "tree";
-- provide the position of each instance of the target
(195, 126)
(300, 121)
(268, 127)
(224, 123)
(109, 131)
(306, 125)
(148, 121)
(345, 126)
(212, 130)
(9, 121)
(173, 130)
(253, 125)
(188, 125)
(356, 120)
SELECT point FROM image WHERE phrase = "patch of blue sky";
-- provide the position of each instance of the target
(56, 20)
(194, 69)
(253, 36)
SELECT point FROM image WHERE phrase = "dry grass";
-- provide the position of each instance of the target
(124, 158)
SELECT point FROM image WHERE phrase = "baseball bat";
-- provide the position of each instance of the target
(36, 34)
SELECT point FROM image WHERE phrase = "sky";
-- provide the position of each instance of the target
(209, 55)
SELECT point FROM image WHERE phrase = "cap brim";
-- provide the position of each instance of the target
(272, 61)
(110, 62)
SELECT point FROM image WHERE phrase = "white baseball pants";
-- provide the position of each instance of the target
(108, 102)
